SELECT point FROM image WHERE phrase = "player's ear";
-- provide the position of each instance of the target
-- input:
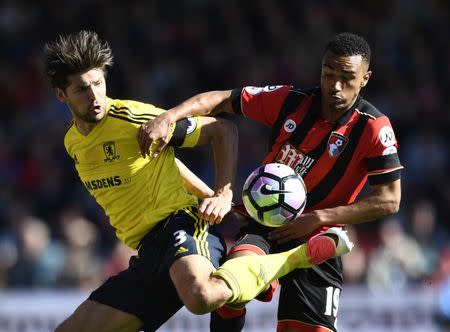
(365, 78)
(60, 95)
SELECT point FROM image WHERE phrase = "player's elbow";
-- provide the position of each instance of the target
(199, 301)
(387, 198)
(391, 205)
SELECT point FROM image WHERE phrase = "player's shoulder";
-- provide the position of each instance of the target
(69, 130)
(70, 134)
(118, 103)
(367, 109)
(378, 124)
(132, 107)
(305, 92)
(295, 96)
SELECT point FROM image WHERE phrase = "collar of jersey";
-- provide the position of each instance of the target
(344, 117)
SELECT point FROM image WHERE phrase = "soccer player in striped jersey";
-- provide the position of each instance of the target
(147, 204)
(336, 141)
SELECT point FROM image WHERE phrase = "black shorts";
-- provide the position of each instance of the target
(145, 288)
(309, 295)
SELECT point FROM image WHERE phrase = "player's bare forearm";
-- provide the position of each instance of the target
(225, 145)
(222, 134)
(212, 102)
(382, 201)
(158, 130)
(193, 183)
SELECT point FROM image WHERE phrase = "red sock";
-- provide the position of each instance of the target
(267, 295)
(228, 313)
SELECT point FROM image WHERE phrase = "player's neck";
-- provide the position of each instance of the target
(84, 128)
(332, 115)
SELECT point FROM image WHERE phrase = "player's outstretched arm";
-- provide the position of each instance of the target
(383, 200)
(222, 135)
(158, 129)
(193, 183)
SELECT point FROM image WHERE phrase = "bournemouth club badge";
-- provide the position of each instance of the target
(336, 144)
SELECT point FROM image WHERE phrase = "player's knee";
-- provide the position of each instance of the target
(200, 299)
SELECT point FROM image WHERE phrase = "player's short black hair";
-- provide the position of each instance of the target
(75, 53)
(348, 44)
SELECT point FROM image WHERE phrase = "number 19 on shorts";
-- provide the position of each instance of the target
(332, 304)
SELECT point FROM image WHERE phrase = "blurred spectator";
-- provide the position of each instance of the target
(355, 263)
(40, 260)
(82, 265)
(8, 258)
(118, 259)
(398, 260)
(443, 306)
(442, 282)
(428, 232)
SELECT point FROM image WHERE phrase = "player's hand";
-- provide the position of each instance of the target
(297, 229)
(154, 135)
(213, 209)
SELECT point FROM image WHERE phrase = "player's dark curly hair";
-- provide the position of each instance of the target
(75, 53)
(348, 44)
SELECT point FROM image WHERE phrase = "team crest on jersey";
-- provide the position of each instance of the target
(109, 148)
(295, 159)
(336, 144)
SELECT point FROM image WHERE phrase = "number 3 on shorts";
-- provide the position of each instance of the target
(180, 237)
(332, 305)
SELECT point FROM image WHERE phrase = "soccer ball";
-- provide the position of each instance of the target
(274, 194)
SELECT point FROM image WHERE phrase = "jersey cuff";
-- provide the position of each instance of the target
(389, 176)
(179, 133)
(236, 101)
(383, 162)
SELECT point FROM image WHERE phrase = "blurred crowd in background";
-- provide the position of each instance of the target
(52, 234)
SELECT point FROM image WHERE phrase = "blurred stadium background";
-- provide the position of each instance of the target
(56, 244)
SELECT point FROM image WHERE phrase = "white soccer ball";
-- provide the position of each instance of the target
(274, 194)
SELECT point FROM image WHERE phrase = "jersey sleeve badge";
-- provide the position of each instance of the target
(253, 90)
(387, 136)
(192, 124)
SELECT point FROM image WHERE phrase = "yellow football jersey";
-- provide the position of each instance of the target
(135, 192)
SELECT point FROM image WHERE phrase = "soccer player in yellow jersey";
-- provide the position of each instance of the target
(179, 253)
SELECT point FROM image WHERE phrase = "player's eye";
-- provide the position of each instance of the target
(347, 78)
(78, 89)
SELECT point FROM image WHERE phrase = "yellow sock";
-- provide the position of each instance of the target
(247, 276)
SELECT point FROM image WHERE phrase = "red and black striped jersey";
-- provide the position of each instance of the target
(334, 159)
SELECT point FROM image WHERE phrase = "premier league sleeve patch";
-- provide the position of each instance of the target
(253, 90)
(336, 144)
(387, 136)
(186, 132)
(192, 125)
